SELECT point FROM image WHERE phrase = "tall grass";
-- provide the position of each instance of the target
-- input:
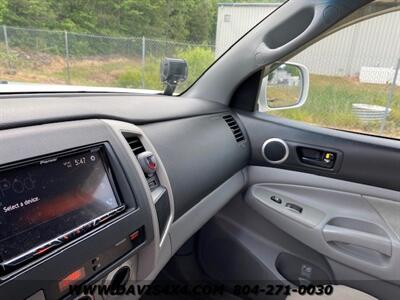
(330, 100)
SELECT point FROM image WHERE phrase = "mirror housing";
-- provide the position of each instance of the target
(173, 71)
(280, 76)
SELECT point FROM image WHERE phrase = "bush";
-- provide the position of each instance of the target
(198, 60)
(130, 79)
(133, 78)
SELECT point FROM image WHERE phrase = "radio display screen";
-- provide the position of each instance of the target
(44, 199)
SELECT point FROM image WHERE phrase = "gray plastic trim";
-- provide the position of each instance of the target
(344, 204)
(259, 237)
(197, 216)
(120, 127)
(194, 171)
(380, 289)
(309, 216)
(28, 142)
(375, 242)
(258, 174)
(370, 161)
(183, 228)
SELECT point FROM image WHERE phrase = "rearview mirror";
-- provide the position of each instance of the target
(284, 86)
(173, 71)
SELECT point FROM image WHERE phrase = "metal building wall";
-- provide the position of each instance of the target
(235, 19)
(371, 43)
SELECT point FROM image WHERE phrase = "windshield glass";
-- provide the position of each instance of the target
(117, 43)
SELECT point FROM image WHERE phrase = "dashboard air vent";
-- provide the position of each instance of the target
(137, 147)
(135, 144)
(233, 125)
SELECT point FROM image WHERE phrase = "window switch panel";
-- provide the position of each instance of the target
(294, 207)
(276, 199)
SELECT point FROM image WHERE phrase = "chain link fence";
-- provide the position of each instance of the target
(43, 56)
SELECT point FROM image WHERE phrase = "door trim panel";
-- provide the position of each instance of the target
(364, 159)
(331, 209)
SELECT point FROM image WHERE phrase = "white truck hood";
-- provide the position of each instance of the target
(21, 87)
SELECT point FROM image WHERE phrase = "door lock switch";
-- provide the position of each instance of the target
(329, 157)
(276, 199)
(294, 207)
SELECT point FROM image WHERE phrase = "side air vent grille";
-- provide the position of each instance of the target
(135, 144)
(233, 125)
(137, 147)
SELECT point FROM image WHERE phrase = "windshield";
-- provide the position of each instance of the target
(117, 43)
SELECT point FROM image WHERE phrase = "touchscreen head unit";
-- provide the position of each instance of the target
(48, 202)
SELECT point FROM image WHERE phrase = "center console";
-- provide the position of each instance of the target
(74, 205)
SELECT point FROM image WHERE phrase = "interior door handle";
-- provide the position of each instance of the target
(316, 157)
(367, 240)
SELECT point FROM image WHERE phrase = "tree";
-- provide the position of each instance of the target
(198, 22)
(177, 15)
(142, 18)
(29, 13)
(179, 20)
(3, 10)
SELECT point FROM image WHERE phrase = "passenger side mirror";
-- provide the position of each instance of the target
(284, 86)
(173, 71)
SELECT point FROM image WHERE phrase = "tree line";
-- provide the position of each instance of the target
(179, 20)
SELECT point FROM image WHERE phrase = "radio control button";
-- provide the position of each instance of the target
(87, 227)
(55, 242)
(104, 218)
(52, 244)
(66, 237)
(42, 250)
(134, 235)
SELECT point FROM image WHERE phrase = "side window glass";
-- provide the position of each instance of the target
(354, 79)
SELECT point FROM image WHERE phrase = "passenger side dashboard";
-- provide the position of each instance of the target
(200, 162)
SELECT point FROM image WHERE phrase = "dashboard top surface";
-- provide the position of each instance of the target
(31, 109)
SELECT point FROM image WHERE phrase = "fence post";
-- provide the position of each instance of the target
(390, 96)
(353, 44)
(67, 57)
(7, 49)
(143, 58)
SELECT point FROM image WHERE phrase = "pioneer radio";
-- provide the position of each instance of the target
(52, 201)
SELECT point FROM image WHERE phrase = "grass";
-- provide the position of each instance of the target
(96, 71)
(330, 102)
(38, 67)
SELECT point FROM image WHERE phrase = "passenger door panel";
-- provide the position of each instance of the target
(340, 225)
(348, 213)
(362, 159)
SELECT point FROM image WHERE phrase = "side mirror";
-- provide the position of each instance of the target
(284, 86)
(173, 71)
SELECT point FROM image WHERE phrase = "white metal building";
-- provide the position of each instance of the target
(371, 43)
(235, 19)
